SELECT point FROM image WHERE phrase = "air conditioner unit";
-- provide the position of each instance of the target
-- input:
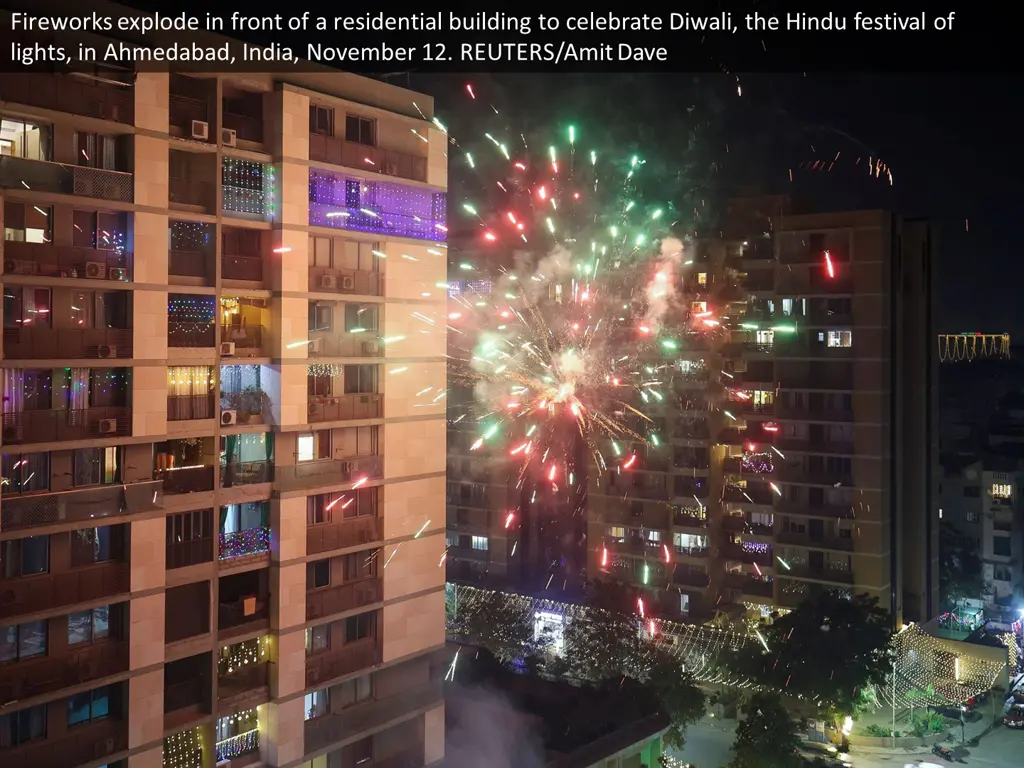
(371, 348)
(95, 270)
(117, 273)
(348, 283)
(229, 417)
(107, 426)
(200, 130)
(227, 348)
(105, 351)
(330, 282)
(13, 434)
(228, 137)
(316, 346)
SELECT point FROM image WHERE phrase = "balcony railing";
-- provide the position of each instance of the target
(182, 554)
(750, 585)
(190, 407)
(316, 474)
(75, 95)
(344, 597)
(357, 282)
(63, 425)
(343, 533)
(239, 615)
(251, 678)
(191, 334)
(691, 551)
(83, 744)
(248, 268)
(183, 694)
(820, 574)
(246, 338)
(820, 476)
(246, 473)
(329, 149)
(79, 504)
(35, 677)
(689, 521)
(809, 413)
(48, 260)
(815, 542)
(190, 194)
(340, 344)
(234, 747)
(345, 408)
(181, 480)
(838, 511)
(817, 445)
(60, 179)
(689, 577)
(759, 496)
(79, 585)
(188, 263)
(251, 541)
(35, 343)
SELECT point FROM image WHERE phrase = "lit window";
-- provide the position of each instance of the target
(840, 339)
(452, 539)
(1002, 491)
(971, 517)
(765, 337)
(617, 532)
(306, 447)
(654, 536)
(697, 307)
(480, 543)
(702, 278)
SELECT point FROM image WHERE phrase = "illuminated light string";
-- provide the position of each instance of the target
(183, 750)
(246, 740)
(249, 187)
(250, 541)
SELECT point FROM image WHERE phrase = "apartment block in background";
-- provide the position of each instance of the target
(222, 510)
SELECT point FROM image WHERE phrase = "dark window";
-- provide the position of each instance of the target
(1001, 546)
(89, 626)
(96, 151)
(25, 223)
(318, 574)
(360, 379)
(23, 641)
(359, 627)
(318, 639)
(22, 727)
(92, 545)
(361, 130)
(90, 706)
(359, 565)
(320, 384)
(27, 307)
(25, 472)
(26, 557)
(816, 242)
(362, 751)
(321, 120)
(321, 316)
(972, 491)
(360, 317)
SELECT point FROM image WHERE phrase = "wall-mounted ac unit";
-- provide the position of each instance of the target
(329, 282)
(316, 346)
(371, 348)
(229, 417)
(348, 283)
(228, 137)
(95, 270)
(117, 273)
(107, 426)
(106, 351)
(200, 130)
(227, 349)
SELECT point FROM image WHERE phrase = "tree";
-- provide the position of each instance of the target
(499, 622)
(961, 576)
(600, 645)
(678, 694)
(829, 649)
(767, 736)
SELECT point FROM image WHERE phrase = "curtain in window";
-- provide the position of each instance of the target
(78, 389)
(188, 389)
(14, 391)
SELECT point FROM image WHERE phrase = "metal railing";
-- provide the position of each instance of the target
(249, 268)
(250, 541)
(190, 407)
(314, 474)
(190, 334)
(246, 473)
(84, 744)
(179, 480)
(43, 674)
(345, 408)
(52, 426)
(344, 597)
(48, 260)
(62, 179)
(79, 585)
(182, 554)
(330, 149)
(244, 337)
(78, 504)
(38, 343)
(75, 95)
(355, 531)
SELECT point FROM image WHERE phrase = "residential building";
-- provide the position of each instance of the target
(222, 509)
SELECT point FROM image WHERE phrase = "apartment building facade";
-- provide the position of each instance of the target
(222, 505)
(799, 436)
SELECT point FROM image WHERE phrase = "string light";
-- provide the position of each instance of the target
(251, 541)
(248, 187)
(183, 750)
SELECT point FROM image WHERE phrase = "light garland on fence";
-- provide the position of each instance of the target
(186, 308)
(183, 750)
(190, 236)
(243, 654)
(251, 541)
(242, 744)
(248, 187)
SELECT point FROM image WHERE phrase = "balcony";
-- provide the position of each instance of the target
(820, 444)
(344, 597)
(248, 542)
(48, 260)
(241, 616)
(815, 542)
(190, 407)
(734, 523)
(244, 340)
(191, 194)
(818, 573)
(809, 413)
(88, 503)
(744, 465)
(37, 343)
(806, 348)
(344, 408)
(344, 344)
(187, 611)
(762, 556)
(183, 554)
(45, 592)
(245, 684)
(318, 474)
(53, 426)
(691, 551)
(736, 495)
(100, 99)
(355, 282)
(191, 335)
(320, 732)
(42, 675)
(250, 404)
(353, 532)
(342, 661)
(247, 269)
(180, 480)
(239, 473)
(337, 151)
(689, 577)
(809, 509)
(750, 585)
(84, 744)
(186, 692)
(684, 520)
(817, 476)
(61, 179)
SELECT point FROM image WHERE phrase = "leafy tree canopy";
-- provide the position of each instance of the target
(961, 576)
(767, 736)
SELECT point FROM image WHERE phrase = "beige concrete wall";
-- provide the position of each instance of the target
(433, 735)
(407, 506)
(414, 448)
(415, 567)
(411, 626)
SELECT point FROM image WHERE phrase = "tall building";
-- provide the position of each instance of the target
(222, 510)
(800, 440)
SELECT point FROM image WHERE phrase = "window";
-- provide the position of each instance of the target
(451, 539)
(318, 574)
(96, 466)
(359, 627)
(321, 316)
(971, 517)
(90, 706)
(26, 223)
(26, 140)
(27, 307)
(362, 751)
(840, 339)
(317, 704)
(89, 626)
(360, 317)
(354, 691)
(319, 383)
(480, 543)
(702, 278)
(765, 337)
(23, 641)
(321, 120)
(96, 150)
(315, 446)
(359, 565)
(1002, 491)
(360, 379)
(24, 726)
(25, 472)
(26, 557)
(91, 545)
(318, 639)
(972, 492)
(361, 130)
(617, 532)
(1001, 546)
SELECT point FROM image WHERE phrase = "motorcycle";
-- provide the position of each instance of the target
(946, 754)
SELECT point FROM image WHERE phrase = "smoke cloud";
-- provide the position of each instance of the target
(488, 731)
(665, 283)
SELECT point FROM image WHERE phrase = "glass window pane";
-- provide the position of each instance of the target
(79, 627)
(32, 639)
(101, 623)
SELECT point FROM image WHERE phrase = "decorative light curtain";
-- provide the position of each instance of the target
(189, 387)
(14, 391)
(78, 389)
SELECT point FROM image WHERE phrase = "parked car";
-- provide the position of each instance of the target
(813, 751)
(1015, 717)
